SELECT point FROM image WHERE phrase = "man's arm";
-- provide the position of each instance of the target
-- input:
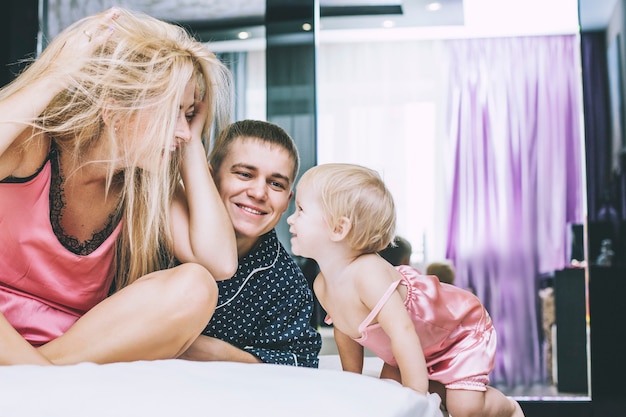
(269, 321)
(288, 338)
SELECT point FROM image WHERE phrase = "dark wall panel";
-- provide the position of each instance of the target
(19, 24)
(290, 68)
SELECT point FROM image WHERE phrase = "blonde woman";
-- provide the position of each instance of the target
(104, 183)
(423, 330)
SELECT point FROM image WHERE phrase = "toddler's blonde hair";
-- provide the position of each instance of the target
(359, 194)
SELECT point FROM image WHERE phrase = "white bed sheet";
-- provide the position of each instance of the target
(183, 388)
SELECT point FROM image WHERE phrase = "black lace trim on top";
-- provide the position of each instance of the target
(57, 203)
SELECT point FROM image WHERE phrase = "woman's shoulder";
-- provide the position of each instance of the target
(24, 160)
(25, 157)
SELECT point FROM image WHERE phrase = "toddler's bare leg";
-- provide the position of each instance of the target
(390, 372)
(156, 317)
(491, 403)
(439, 389)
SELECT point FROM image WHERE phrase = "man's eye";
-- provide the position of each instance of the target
(278, 185)
(243, 174)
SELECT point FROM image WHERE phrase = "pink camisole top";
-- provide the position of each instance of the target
(45, 287)
(455, 330)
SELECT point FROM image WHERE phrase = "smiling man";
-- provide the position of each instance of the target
(263, 312)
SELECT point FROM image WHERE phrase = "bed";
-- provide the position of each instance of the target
(184, 388)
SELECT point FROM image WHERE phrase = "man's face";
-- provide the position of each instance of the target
(255, 184)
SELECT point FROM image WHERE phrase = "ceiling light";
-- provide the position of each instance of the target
(388, 24)
(243, 35)
(434, 6)
(306, 27)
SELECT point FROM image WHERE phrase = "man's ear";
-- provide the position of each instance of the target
(341, 229)
(288, 200)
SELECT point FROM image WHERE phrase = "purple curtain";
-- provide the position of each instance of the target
(517, 185)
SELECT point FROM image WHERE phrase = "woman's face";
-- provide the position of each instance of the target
(138, 139)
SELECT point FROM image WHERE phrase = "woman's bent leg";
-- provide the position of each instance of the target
(14, 349)
(156, 317)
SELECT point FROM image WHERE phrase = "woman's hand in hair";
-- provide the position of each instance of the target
(81, 43)
(201, 113)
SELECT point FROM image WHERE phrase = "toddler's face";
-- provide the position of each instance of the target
(308, 225)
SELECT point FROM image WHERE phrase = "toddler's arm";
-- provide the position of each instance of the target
(350, 352)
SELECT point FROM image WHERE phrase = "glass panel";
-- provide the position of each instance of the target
(413, 103)
(399, 133)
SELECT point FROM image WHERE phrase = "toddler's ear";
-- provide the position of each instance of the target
(341, 229)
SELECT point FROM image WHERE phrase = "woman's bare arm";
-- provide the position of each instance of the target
(202, 230)
(22, 106)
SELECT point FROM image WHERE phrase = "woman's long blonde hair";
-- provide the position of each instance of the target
(143, 66)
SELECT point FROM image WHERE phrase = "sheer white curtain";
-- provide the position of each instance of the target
(256, 91)
(382, 104)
